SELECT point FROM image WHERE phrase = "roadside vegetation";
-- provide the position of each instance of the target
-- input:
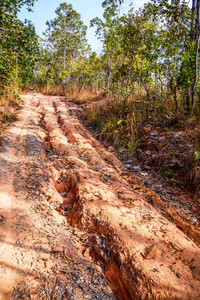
(19, 49)
(144, 86)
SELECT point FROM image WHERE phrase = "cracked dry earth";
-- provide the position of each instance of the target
(72, 227)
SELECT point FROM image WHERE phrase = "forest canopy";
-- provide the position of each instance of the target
(154, 49)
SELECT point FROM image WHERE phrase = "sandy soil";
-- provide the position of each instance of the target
(73, 227)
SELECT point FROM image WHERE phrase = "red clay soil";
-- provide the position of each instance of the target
(61, 190)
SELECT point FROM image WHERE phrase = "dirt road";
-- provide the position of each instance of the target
(72, 227)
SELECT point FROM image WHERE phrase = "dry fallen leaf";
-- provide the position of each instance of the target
(176, 246)
(161, 144)
(180, 164)
(172, 251)
(150, 252)
(57, 249)
(188, 263)
(60, 211)
(122, 149)
(86, 253)
(137, 187)
(161, 138)
(147, 167)
(172, 191)
(69, 254)
(148, 152)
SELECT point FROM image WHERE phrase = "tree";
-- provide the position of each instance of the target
(66, 36)
(108, 32)
(197, 33)
(182, 17)
(19, 44)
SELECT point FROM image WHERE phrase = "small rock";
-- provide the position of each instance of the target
(178, 134)
(144, 174)
(137, 168)
(154, 133)
(127, 165)
(193, 219)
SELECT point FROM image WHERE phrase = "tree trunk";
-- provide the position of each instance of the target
(47, 86)
(197, 53)
(81, 86)
(97, 85)
(175, 98)
(35, 77)
(108, 81)
(193, 21)
(196, 70)
(64, 67)
(17, 76)
(188, 99)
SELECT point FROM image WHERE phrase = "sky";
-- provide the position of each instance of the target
(44, 10)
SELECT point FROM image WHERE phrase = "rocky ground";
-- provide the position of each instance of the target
(74, 224)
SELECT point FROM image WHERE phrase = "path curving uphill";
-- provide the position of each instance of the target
(71, 226)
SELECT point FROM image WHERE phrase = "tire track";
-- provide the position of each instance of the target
(118, 223)
(30, 228)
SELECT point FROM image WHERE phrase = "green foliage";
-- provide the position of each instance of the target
(65, 44)
(19, 45)
(151, 49)
(197, 155)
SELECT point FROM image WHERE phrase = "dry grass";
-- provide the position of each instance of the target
(128, 124)
(124, 123)
(9, 103)
(86, 96)
(191, 171)
(52, 90)
(119, 120)
(75, 95)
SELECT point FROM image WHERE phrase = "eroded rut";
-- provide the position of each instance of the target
(61, 190)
